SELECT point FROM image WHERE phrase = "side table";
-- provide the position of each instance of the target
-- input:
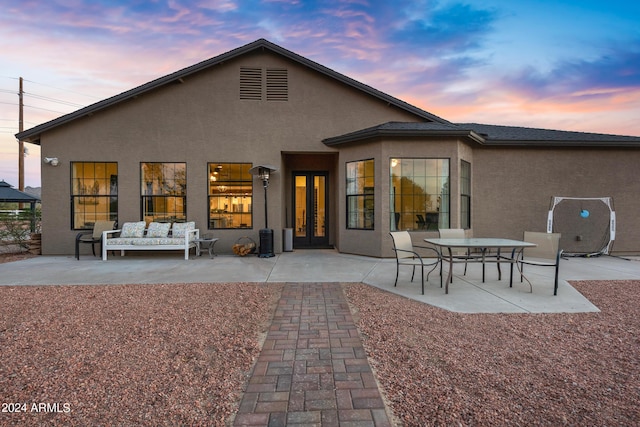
(205, 242)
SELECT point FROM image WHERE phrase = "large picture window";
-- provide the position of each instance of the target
(465, 194)
(360, 194)
(94, 193)
(163, 192)
(419, 194)
(230, 195)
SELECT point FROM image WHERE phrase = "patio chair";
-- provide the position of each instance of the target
(406, 255)
(94, 236)
(546, 254)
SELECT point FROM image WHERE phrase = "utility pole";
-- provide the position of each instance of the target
(20, 142)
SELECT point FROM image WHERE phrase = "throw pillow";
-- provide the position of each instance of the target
(133, 229)
(179, 228)
(158, 229)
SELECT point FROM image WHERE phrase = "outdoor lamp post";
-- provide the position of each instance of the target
(266, 234)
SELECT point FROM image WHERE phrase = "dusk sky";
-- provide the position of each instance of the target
(568, 65)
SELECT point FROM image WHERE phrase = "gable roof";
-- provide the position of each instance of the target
(10, 194)
(33, 135)
(489, 135)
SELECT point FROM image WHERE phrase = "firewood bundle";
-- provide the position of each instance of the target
(244, 246)
(35, 244)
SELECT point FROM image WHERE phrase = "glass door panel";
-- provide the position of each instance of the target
(301, 205)
(319, 202)
(310, 209)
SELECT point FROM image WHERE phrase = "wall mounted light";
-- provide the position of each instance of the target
(53, 161)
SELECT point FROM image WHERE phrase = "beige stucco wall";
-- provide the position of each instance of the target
(362, 242)
(513, 187)
(378, 242)
(198, 121)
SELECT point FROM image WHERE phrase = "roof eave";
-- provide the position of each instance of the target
(372, 133)
(560, 144)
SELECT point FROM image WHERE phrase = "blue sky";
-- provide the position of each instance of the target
(570, 65)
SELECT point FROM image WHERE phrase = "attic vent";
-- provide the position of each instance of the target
(251, 83)
(277, 85)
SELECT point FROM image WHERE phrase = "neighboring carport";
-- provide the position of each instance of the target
(8, 194)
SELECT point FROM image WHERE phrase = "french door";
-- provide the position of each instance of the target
(310, 210)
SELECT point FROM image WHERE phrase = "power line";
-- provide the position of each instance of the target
(45, 109)
(14, 120)
(35, 96)
(46, 98)
(64, 90)
(32, 106)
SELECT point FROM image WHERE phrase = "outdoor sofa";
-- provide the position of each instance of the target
(135, 236)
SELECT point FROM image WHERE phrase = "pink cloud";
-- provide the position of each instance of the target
(617, 116)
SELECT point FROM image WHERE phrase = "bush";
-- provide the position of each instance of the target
(15, 227)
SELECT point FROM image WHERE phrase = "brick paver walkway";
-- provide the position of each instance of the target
(312, 370)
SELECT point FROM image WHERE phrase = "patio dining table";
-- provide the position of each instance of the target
(482, 244)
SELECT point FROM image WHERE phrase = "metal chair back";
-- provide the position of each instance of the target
(454, 233)
(101, 226)
(402, 244)
(547, 245)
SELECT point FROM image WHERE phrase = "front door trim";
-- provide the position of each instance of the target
(311, 228)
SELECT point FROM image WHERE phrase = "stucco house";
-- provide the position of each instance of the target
(353, 163)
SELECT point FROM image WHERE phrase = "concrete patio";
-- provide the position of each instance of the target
(466, 293)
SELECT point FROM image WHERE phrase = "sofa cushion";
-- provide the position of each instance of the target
(180, 228)
(119, 241)
(157, 241)
(158, 229)
(133, 229)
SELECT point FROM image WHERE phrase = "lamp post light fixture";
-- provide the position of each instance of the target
(263, 172)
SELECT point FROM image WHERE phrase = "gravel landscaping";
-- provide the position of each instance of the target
(144, 355)
(179, 354)
(444, 369)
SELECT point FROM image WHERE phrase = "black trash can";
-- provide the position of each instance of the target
(266, 243)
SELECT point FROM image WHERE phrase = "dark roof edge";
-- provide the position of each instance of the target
(501, 135)
(487, 135)
(561, 143)
(376, 132)
(33, 135)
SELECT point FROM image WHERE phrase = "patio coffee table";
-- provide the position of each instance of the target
(208, 242)
(481, 243)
